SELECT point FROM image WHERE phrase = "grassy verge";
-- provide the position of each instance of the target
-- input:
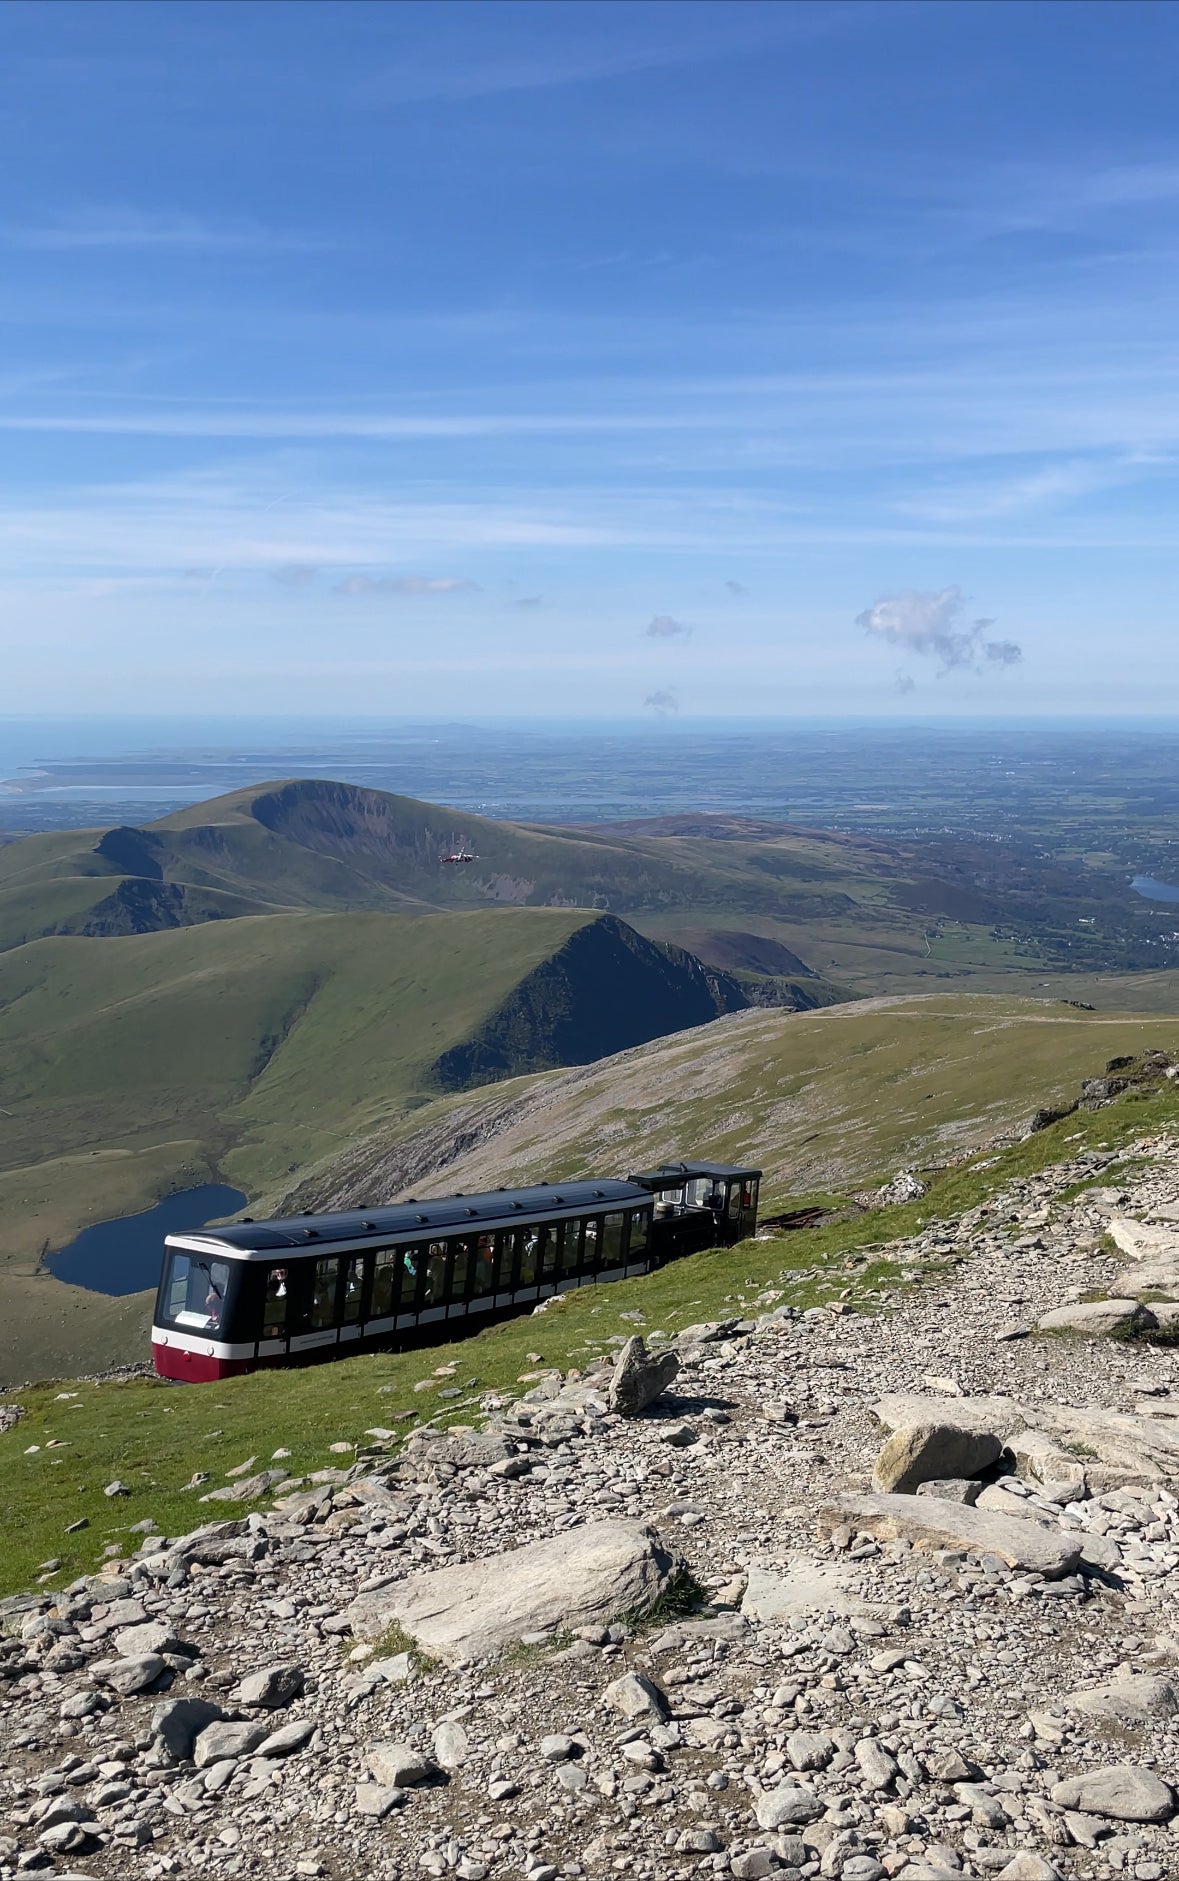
(152, 1436)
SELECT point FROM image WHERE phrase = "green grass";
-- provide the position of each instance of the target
(153, 1436)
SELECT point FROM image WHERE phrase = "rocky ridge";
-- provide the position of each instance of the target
(810, 1594)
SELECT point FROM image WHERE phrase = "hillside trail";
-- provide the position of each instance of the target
(726, 1636)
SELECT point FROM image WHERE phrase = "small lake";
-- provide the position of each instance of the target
(1154, 891)
(124, 1256)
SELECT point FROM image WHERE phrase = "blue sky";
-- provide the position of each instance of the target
(571, 359)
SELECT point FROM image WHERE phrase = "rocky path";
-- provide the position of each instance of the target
(850, 1597)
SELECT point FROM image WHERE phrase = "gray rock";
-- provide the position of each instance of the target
(272, 1688)
(397, 1766)
(179, 1721)
(878, 1766)
(1121, 1791)
(134, 1642)
(951, 1489)
(639, 1378)
(219, 1741)
(926, 1522)
(1132, 1700)
(128, 1676)
(807, 1586)
(1028, 1866)
(788, 1803)
(754, 1864)
(810, 1750)
(377, 1799)
(635, 1696)
(451, 1745)
(1141, 1241)
(929, 1451)
(479, 1608)
(1099, 1319)
(287, 1739)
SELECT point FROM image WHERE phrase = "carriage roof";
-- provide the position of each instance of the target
(417, 1219)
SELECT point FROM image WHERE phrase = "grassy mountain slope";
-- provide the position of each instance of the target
(860, 910)
(820, 1100)
(133, 1065)
(153, 1438)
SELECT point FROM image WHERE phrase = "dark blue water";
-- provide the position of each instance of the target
(1154, 891)
(124, 1256)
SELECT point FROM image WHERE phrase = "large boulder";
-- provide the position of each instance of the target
(999, 1417)
(584, 1577)
(639, 1378)
(931, 1450)
(1134, 1699)
(1098, 1319)
(930, 1523)
(1123, 1791)
(1142, 1242)
(1149, 1278)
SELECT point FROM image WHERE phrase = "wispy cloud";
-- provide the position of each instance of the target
(406, 584)
(296, 574)
(117, 227)
(666, 627)
(662, 703)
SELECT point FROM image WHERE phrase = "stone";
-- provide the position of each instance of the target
(951, 1489)
(788, 1803)
(287, 1739)
(639, 1377)
(1141, 1241)
(807, 1586)
(1028, 1866)
(273, 1688)
(480, 1608)
(377, 1799)
(810, 1750)
(1134, 1699)
(1098, 1319)
(1121, 1791)
(178, 1722)
(926, 1451)
(134, 1642)
(754, 1864)
(635, 1696)
(926, 1522)
(397, 1766)
(1151, 1277)
(878, 1767)
(905, 1186)
(128, 1676)
(451, 1745)
(219, 1741)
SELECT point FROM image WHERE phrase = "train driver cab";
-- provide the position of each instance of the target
(700, 1205)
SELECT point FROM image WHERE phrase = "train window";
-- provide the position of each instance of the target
(323, 1294)
(749, 1194)
(529, 1257)
(352, 1290)
(460, 1269)
(612, 1239)
(276, 1303)
(640, 1221)
(591, 1256)
(550, 1249)
(505, 1258)
(384, 1278)
(196, 1293)
(409, 1272)
(483, 1276)
(437, 1253)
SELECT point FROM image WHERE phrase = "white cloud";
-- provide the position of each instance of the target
(666, 627)
(662, 703)
(930, 626)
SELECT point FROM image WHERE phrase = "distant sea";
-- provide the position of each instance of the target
(888, 777)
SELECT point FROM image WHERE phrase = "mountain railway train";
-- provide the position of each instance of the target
(313, 1287)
